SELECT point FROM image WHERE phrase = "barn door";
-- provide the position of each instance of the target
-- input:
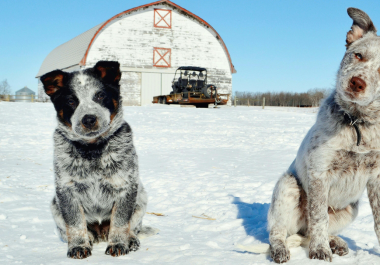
(166, 81)
(150, 87)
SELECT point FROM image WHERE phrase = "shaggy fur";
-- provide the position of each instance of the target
(99, 196)
(318, 196)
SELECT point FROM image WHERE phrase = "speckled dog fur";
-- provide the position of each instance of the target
(99, 196)
(318, 196)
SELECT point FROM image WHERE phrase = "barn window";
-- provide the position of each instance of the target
(162, 57)
(163, 18)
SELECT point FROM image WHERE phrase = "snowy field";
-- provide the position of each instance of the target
(221, 163)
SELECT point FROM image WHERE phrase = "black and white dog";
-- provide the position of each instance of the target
(99, 196)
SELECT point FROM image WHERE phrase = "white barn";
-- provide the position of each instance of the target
(150, 42)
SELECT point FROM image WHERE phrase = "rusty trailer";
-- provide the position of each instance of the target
(191, 98)
(191, 88)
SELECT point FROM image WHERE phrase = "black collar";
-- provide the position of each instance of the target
(353, 121)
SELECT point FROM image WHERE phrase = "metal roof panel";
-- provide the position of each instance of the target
(69, 53)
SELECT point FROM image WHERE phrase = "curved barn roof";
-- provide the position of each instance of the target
(68, 54)
(75, 51)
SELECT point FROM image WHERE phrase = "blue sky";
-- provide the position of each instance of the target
(274, 45)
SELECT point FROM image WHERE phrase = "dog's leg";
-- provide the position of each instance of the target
(121, 232)
(59, 222)
(338, 245)
(136, 219)
(338, 220)
(92, 237)
(72, 213)
(285, 216)
(373, 189)
(318, 225)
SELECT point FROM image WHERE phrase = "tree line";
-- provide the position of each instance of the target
(311, 98)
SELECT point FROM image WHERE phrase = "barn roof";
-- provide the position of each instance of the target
(75, 51)
(68, 54)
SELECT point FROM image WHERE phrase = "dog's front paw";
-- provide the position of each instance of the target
(79, 252)
(134, 243)
(320, 252)
(116, 250)
(338, 246)
(280, 253)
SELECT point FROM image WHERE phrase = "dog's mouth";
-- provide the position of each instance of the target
(92, 134)
(349, 94)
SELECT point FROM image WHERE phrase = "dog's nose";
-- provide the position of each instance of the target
(89, 121)
(357, 84)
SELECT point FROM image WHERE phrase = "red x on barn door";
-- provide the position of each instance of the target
(162, 57)
(162, 18)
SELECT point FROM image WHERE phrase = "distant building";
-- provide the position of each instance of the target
(150, 42)
(24, 95)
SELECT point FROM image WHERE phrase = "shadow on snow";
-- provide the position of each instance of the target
(254, 217)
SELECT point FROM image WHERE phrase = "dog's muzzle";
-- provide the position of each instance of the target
(357, 84)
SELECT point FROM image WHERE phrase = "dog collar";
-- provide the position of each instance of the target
(353, 121)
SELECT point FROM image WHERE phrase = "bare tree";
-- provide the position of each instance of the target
(316, 95)
(5, 88)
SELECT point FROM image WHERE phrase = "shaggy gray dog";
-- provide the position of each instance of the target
(99, 196)
(318, 196)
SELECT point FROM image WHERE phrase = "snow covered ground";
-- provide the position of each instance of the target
(221, 163)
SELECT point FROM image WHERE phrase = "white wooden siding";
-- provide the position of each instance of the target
(130, 39)
(130, 85)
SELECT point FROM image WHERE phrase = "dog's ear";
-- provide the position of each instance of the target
(108, 72)
(361, 25)
(53, 81)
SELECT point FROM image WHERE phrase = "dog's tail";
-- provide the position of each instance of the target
(147, 231)
(293, 241)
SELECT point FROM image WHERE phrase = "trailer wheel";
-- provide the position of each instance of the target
(208, 91)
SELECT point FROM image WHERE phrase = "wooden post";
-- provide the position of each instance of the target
(263, 102)
(235, 101)
(7, 98)
(248, 102)
(32, 98)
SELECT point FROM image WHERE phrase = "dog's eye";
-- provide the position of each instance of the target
(100, 96)
(71, 102)
(358, 56)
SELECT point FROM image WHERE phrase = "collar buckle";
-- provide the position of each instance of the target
(352, 122)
